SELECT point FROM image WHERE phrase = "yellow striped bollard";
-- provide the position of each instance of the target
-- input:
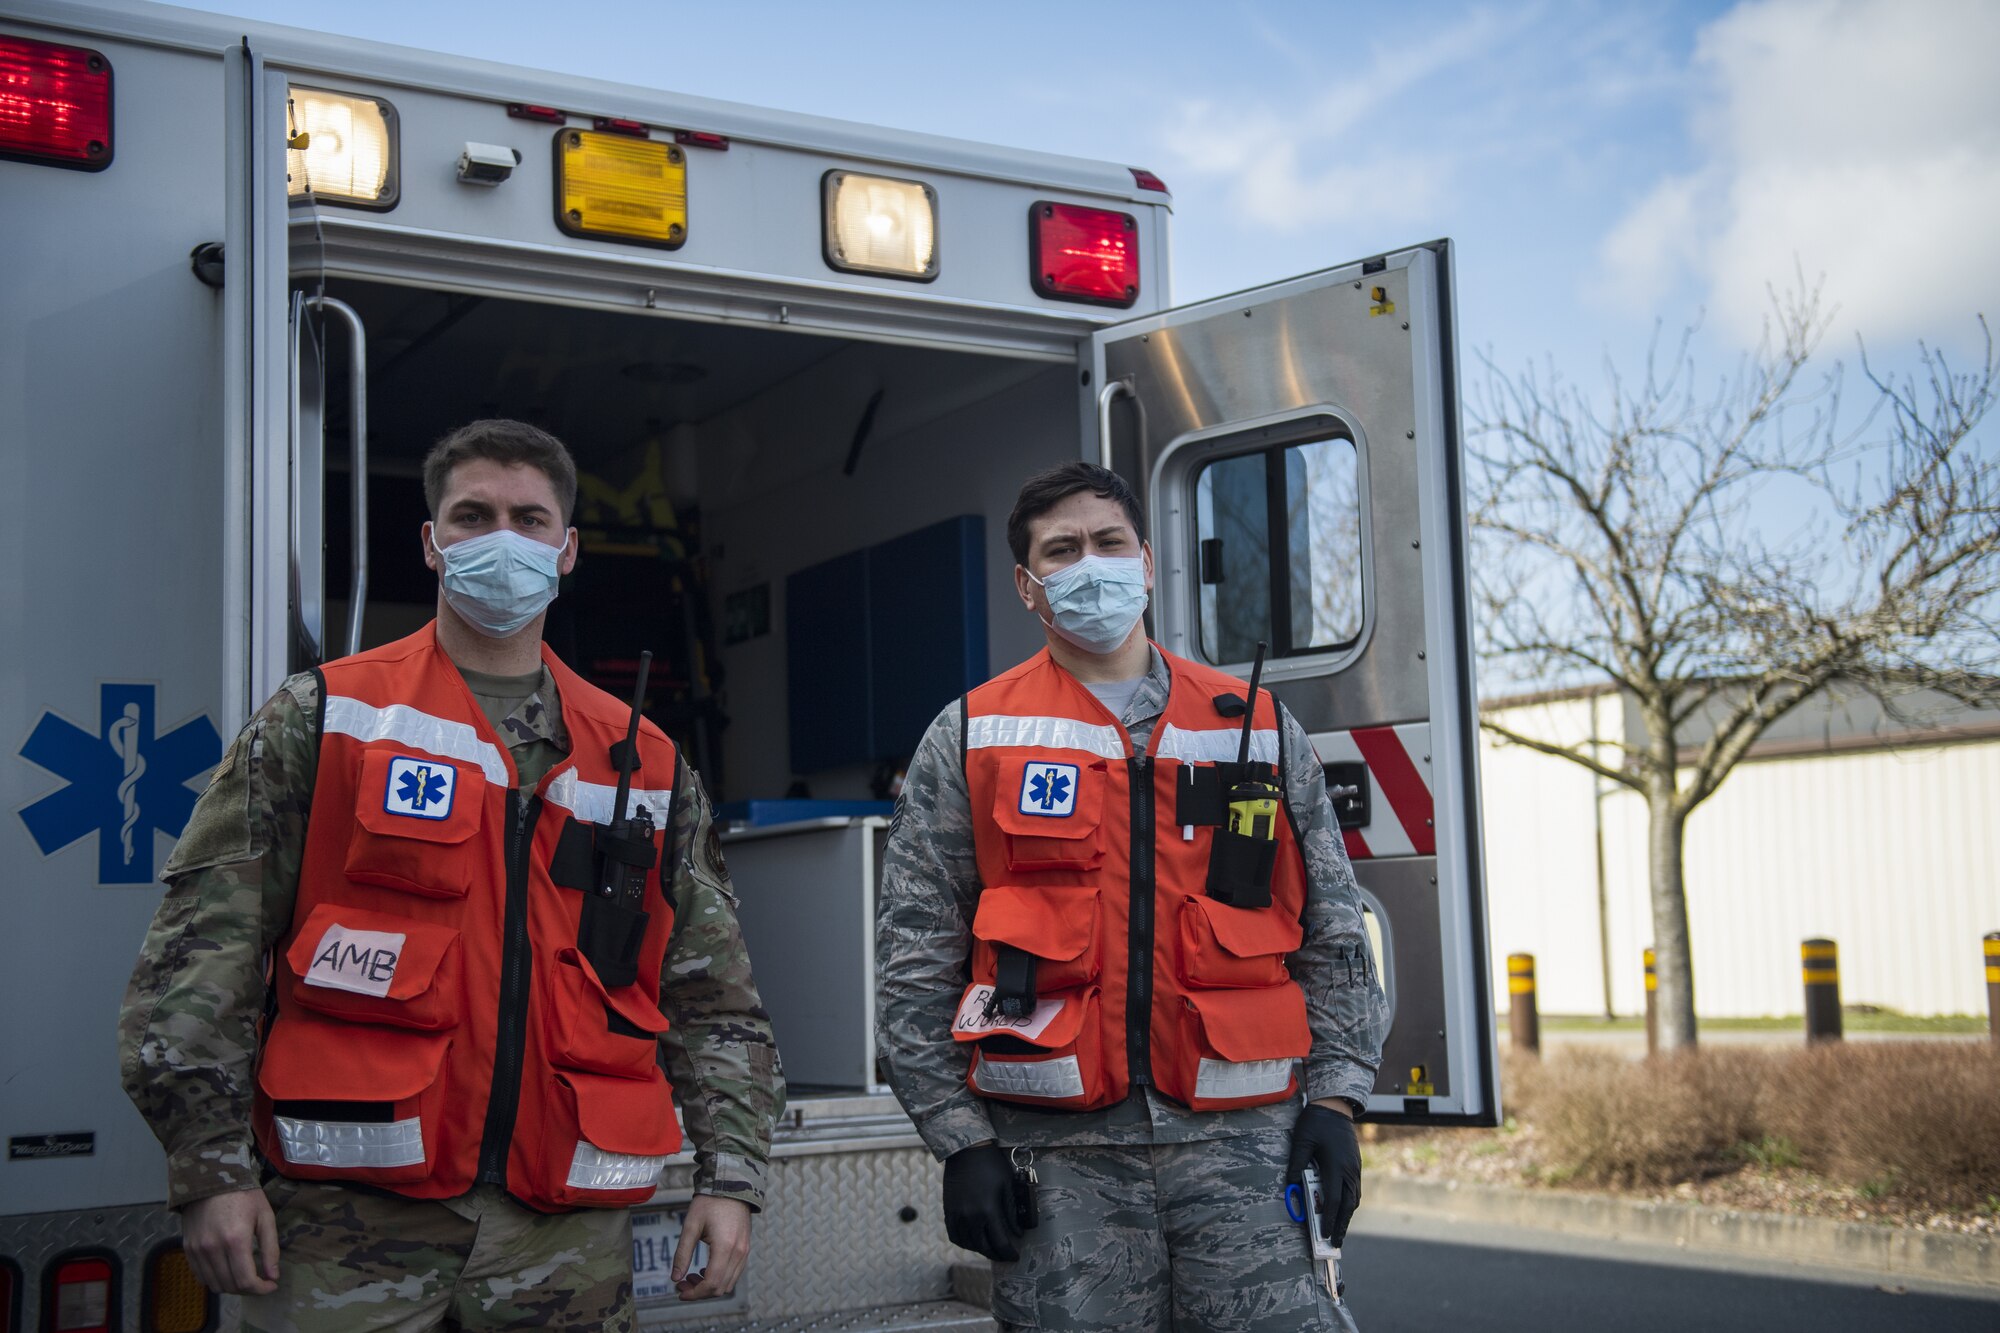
(1820, 962)
(1523, 1019)
(1652, 1007)
(1993, 984)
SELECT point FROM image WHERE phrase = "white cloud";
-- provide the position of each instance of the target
(1292, 167)
(1858, 139)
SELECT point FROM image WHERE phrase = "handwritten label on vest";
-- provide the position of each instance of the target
(362, 961)
(973, 1018)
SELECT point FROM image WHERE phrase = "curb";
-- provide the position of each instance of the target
(1900, 1251)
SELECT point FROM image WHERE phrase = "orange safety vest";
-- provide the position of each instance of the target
(1140, 976)
(454, 1003)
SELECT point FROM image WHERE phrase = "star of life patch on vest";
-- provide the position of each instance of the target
(419, 788)
(1048, 789)
(362, 961)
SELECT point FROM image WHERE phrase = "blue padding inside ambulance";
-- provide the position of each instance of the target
(878, 640)
(765, 814)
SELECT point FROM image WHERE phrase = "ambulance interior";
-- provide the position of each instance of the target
(808, 532)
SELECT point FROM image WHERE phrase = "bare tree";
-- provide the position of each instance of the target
(1721, 555)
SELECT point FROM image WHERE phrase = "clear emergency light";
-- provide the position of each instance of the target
(1083, 254)
(55, 104)
(341, 149)
(614, 187)
(877, 224)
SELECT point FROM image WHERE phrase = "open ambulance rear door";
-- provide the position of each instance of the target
(1300, 454)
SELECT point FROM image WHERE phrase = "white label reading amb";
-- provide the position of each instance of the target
(362, 961)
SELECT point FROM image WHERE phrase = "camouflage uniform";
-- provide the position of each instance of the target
(1149, 1180)
(188, 1039)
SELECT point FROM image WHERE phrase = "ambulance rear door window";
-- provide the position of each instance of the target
(1280, 550)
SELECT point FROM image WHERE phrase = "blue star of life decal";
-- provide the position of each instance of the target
(122, 782)
(1048, 789)
(419, 788)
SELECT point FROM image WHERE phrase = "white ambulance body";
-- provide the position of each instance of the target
(253, 273)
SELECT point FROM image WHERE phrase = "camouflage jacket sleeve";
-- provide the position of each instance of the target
(1333, 965)
(188, 1031)
(719, 1050)
(923, 943)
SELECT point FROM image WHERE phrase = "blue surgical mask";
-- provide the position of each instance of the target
(1095, 601)
(499, 581)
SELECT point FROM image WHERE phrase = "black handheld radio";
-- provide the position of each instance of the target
(625, 855)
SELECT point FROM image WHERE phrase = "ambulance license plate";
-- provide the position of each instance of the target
(656, 1234)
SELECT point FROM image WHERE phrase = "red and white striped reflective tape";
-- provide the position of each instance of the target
(1401, 811)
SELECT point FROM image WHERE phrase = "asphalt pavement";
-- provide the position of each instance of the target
(1408, 1274)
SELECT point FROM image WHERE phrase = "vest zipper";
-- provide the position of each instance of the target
(1139, 968)
(510, 1038)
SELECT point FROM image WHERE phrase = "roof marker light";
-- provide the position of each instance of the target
(879, 225)
(55, 104)
(619, 125)
(341, 149)
(530, 111)
(1083, 254)
(1148, 181)
(702, 139)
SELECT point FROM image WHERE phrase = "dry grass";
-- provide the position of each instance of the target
(1894, 1118)
(1890, 1128)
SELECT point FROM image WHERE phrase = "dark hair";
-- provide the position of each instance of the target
(1045, 490)
(503, 441)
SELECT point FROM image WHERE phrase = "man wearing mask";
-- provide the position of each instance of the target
(409, 1064)
(1124, 1026)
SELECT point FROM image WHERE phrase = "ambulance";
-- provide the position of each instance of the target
(253, 272)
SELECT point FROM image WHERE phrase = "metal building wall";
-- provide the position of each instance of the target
(1893, 853)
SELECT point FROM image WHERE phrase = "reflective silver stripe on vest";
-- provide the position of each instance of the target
(1061, 1077)
(595, 1169)
(1225, 1079)
(343, 1145)
(1219, 746)
(591, 801)
(1043, 733)
(420, 731)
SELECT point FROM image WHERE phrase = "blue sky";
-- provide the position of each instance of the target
(1600, 165)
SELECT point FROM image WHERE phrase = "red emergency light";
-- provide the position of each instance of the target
(55, 104)
(80, 1295)
(1083, 254)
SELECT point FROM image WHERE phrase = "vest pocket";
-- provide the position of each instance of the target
(1050, 813)
(597, 1028)
(1236, 1048)
(1050, 1058)
(605, 1139)
(405, 807)
(1057, 924)
(1224, 946)
(373, 967)
(353, 1103)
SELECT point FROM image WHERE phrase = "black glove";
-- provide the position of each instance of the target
(1325, 1139)
(979, 1201)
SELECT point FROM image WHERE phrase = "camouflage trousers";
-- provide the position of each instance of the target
(1188, 1237)
(351, 1260)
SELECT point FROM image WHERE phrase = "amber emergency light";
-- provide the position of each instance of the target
(611, 186)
